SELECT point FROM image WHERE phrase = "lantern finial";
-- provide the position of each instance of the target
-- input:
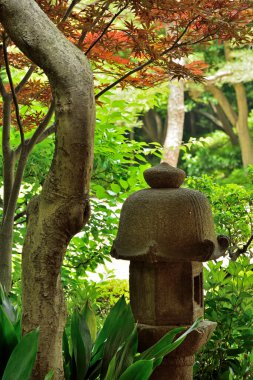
(164, 176)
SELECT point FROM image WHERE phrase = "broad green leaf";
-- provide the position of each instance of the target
(81, 342)
(127, 353)
(112, 369)
(123, 184)
(115, 188)
(163, 346)
(49, 375)
(100, 192)
(8, 339)
(120, 329)
(8, 307)
(166, 344)
(140, 370)
(22, 359)
(90, 319)
(103, 334)
(94, 371)
(65, 348)
(18, 329)
(117, 328)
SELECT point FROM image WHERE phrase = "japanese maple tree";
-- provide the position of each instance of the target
(132, 42)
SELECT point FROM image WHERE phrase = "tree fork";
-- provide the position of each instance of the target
(61, 210)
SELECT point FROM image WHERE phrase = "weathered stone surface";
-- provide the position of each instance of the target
(164, 176)
(166, 293)
(168, 225)
(166, 232)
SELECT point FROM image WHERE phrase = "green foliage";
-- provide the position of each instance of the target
(228, 301)
(228, 284)
(102, 294)
(118, 167)
(232, 208)
(22, 359)
(114, 353)
(108, 293)
(213, 155)
(119, 163)
(17, 353)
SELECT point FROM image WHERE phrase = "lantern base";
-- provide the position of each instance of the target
(178, 365)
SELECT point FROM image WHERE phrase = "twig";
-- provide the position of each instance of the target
(20, 215)
(2, 89)
(25, 79)
(41, 126)
(68, 11)
(105, 30)
(84, 32)
(240, 251)
(6, 60)
(33, 67)
(148, 62)
(49, 131)
(40, 134)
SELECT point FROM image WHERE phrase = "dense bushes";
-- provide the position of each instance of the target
(112, 354)
(228, 301)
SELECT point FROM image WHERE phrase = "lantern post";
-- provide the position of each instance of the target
(167, 232)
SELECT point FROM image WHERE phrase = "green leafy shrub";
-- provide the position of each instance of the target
(229, 284)
(17, 353)
(109, 292)
(232, 209)
(113, 353)
(213, 155)
(228, 301)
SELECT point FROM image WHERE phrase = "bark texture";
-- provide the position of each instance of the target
(175, 124)
(238, 120)
(242, 125)
(6, 226)
(62, 208)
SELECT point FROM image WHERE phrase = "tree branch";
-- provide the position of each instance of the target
(33, 67)
(8, 159)
(106, 28)
(220, 74)
(40, 133)
(20, 215)
(225, 123)
(234, 256)
(149, 61)
(3, 92)
(25, 79)
(84, 32)
(68, 11)
(41, 127)
(6, 60)
(12, 201)
(49, 131)
(223, 102)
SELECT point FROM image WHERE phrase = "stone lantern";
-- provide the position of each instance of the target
(167, 232)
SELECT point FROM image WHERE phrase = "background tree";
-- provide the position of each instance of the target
(175, 123)
(129, 48)
(235, 74)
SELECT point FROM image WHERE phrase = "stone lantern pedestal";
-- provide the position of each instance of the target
(167, 232)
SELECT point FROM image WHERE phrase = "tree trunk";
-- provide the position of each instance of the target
(6, 228)
(175, 123)
(224, 103)
(62, 208)
(225, 124)
(242, 125)
(153, 126)
(6, 255)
